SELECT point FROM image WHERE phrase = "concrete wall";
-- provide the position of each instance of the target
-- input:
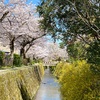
(20, 83)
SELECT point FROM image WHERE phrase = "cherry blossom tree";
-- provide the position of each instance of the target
(33, 33)
(56, 53)
(20, 28)
(48, 52)
(3, 11)
(20, 25)
(11, 24)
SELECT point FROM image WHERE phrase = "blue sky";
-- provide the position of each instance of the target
(36, 2)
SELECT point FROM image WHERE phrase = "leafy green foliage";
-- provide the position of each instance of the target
(77, 81)
(73, 20)
(70, 18)
(17, 60)
(59, 69)
(52, 68)
(2, 56)
(77, 50)
(32, 62)
(93, 56)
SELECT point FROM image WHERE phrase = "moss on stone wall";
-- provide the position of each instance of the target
(20, 83)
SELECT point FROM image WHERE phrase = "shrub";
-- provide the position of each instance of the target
(8, 61)
(59, 69)
(17, 60)
(24, 62)
(78, 82)
(2, 56)
(32, 62)
(52, 68)
(41, 69)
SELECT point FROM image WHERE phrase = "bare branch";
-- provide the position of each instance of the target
(4, 15)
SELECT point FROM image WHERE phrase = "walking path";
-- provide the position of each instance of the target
(49, 89)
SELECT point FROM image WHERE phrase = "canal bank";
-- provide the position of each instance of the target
(49, 88)
(20, 83)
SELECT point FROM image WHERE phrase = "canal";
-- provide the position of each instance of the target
(49, 88)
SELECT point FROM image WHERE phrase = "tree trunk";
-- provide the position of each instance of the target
(12, 48)
(22, 53)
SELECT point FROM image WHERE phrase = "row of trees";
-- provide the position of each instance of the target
(50, 52)
(20, 29)
(19, 26)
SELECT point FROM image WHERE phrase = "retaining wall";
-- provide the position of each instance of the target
(20, 83)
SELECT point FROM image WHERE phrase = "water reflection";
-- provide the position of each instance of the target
(49, 88)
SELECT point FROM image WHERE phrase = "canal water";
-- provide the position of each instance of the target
(49, 88)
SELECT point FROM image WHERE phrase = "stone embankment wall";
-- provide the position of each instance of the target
(20, 83)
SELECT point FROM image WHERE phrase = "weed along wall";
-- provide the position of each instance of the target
(20, 83)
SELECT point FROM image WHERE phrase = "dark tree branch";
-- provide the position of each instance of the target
(4, 15)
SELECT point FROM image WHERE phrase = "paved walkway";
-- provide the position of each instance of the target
(49, 88)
